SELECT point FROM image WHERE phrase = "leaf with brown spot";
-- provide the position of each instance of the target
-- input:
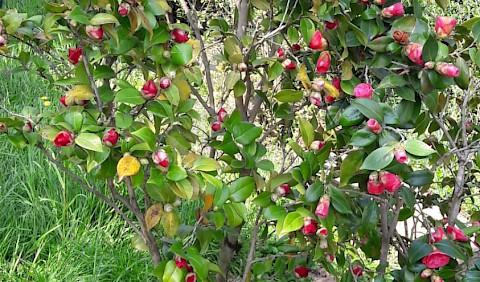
(127, 166)
(153, 215)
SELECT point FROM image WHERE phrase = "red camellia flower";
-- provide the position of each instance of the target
(357, 270)
(447, 69)
(75, 55)
(331, 25)
(329, 99)
(393, 11)
(110, 138)
(318, 42)
(309, 226)
(283, 189)
(191, 277)
(179, 35)
(296, 47)
(323, 206)
(374, 186)
(280, 54)
(161, 158)
(63, 101)
(400, 155)
(149, 90)
(438, 235)
(301, 271)
(323, 63)
(414, 53)
(337, 83)
(165, 83)
(95, 32)
(63, 138)
(329, 258)
(390, 181)
(3, 40)
(436, 259)
(444, 26)
(456, 234)
(322, 233)
(316, 99)
(124, 9)
(288, 64)
(363, 90)
(217, 126)
(27, 127)
(374, 126)
(180, 262)
(221, 114)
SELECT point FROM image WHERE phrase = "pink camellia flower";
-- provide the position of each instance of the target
(322, 233)
(317, 85)
(357, 270)
(444, 26)
(124, 9)
(436, 259)
(95, 32)
(391, 182)
(414, 53)
(317, 145)
(280, 54)
(216, 126)
(331, 25)
(436, 278)
(447, 69)
(393, 11)
(323, 244)
(329, 99)
(323, 63)
(375, 187)
(400, 155)
(323, 206)
(180, 262)
(456, 234)
(426, 273)
(374, 126)
(149, 90)
(379, 2)
(165, 83)
(296, 47)
(221, 114)
(283, 189)
(301, 271)
(363, 90)
(3, 40)
(110, 138)
(318, 42)
(191, 277)
(179, 35)
(161, 158)
(476, 223)
(309, 226)
(438, 235)
(316, 99)
(75, 55)
(63, 138)
(288, 64)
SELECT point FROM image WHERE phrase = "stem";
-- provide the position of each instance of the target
(253, 243)
(385, 240)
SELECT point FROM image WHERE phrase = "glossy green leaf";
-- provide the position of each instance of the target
(205, 164)
(420, 178)
(350, 165)
(89, 141)
(292, 222)
(339, 201)
(392, 81)
(181, 54)
(363, 138)
(451, 249)
(430, 49)
(245, 133)
(369, 108)
(378, 159)
(274, 212)
(418, 250)
(176, 173)
(314, 192)
(129, 96)
(307, 132)
(241, 188)
(418, 148)
(104, 18)
(289, 95)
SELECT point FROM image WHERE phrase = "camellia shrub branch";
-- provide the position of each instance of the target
(329, 124)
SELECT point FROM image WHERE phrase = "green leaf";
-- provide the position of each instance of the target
(205, 164)
(362, 38)
(369, 108)
(451, 249)
(129, 96)
(176, 173)
(442, 4)
(418, 148)
(89, 141)
(306, 129)
(181, 54)
(380, 44)
(274, 212)
(172, 273)
(198, 263)
(378, 159)
(314, 192)
(430, 49)
(420, 178)
(307, 28)
(351, 116)
(406, 23)
(339, 201)
(462, 79)
(235, 213)
(363, 138)
(418, 250)
(289, 95)
(370, 215)
(147, 135)
(78, 14)
(392, 81)
(406, 93)
(103, 18)
(241, 188)
(263, 200)
(245, 133)
(173, 95)
(75, 119)
(292, 222)
(350, 165)
(239, 88)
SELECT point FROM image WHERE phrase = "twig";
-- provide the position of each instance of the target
(253, 245)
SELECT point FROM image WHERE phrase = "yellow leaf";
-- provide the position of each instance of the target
(303, 77)
(189, 159)
(153, 215)
(77, 94)
(164, 5)
(127, 166)
(170, 223)
(316, 5)
(195, 49)
(208, 199)
(183, 88)
(331, 90)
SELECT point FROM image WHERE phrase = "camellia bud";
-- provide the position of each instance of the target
(3, 127)
(180, 262)
(436, 278)
(390, 181)
(27, 127)
(274, 197)
(179, 35)
(110, 138)
(283, 189)
(438, 235)
(309, 226)
(318, 42)
(221, 114)
(363, 90)
(144, 161)
(414, 53)
(329, 99)
(456, 234)
(400, 155)
(165, 83)
(280, 54)
(337, 83)
(331, 25)
(63, 138)
(375, 187)
(322, 233)
(323, 244)
(3, 40)
(63, 101)
(75, 55)
(242, 67)
(323, 206)
(169, 208)
(317, 145)
(296, 47)
(189, 268)
(217, 126)
(124, 9)
(323, 63)
(400, 36)
(374, 126)
(447, 69)
(317, 85)
(329, 258)
(149, 90)
(444, 26)
(393, 11)
(379, 2)
(429, 65)
(95, 32)
(177, 202)
(161, 158)
(191, 277)
(316, 99)
(357, 270)
(288, 64)
(426, 273)
(301, 271)
(167, 54)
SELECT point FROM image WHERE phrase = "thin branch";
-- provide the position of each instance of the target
(253, 245)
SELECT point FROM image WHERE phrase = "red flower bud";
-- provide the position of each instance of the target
(110, 138)
(390, 181)
(337, 83)
(179, 35)
(283, 189)
(331, 25)
(323, 244)
(165, 83)
(189, 268)
(456, 234)
(374, 126)
(436, 259)
(191, 277)
(438, 235)
(242, 67)
(322, 233)
(318, 42)
(3, 40)
(27, 127)
(95, 32)
(75, 55)
(180, 262)
(317, 145)
(288, 64)
(124, 9)
(375, 187)
(280, 54)
(63, 101)
(400, 155)
(414, 53)
(447, 69)
(316, 99)
(444, 26)
(329, 99)
(329, 258)
(149, 90)
(309, 226)
(357, 270)
(161, 158)
(393, 11)
(63, 138)
(296, 47)
(301, 271)
(221, 114)
(323, 206)
(323, 63)
(426, 273)
(363, 90)
(317, 85)
(217, 126)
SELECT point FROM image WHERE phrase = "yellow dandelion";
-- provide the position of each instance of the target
(44, 98)
(47, 103)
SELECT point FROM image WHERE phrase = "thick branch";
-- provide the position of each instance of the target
(253, 245)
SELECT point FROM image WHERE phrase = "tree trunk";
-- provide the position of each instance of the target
(228, 247)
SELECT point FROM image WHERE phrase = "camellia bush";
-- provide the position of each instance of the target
(307, 130)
